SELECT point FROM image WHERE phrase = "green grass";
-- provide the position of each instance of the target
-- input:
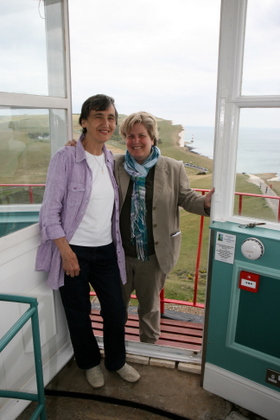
(252, 206)
(180, 280)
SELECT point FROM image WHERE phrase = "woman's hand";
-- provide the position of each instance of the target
(71, 143)
(70, 262)
(207, 200)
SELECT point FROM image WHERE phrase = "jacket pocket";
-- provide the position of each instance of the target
(178, 233)
(75, 193)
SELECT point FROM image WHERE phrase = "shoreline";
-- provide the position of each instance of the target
(274, 176)
(192, 150)
(200, 140)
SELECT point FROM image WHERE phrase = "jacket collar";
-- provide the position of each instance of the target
(122, 177)
(161, 175)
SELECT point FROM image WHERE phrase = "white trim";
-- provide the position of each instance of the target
(17, 254)
(20, 208)
(22, 100)
(159, 352)
(227, 112)
(229, 102)
(68, 69)
(240, 220)
(244, 392)
(257, 101)
(15, 239)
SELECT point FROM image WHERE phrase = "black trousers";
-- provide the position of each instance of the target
(100, 269)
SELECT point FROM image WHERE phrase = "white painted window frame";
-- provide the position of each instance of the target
(20, 100)
(228, 105)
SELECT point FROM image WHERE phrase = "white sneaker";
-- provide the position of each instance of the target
(95, 377)
(128, 373)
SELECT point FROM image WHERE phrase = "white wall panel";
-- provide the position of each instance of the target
(18, 277)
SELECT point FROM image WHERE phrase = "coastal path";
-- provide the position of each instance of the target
(266, 190)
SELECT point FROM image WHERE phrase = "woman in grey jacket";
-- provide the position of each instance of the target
(152, 188)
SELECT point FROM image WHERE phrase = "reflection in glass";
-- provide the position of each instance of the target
(258, 163)
(25, 151)
(28, 139)
(24, 48)
(262, 54)
(31, 42)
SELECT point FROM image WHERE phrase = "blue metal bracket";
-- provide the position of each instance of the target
(31, 313)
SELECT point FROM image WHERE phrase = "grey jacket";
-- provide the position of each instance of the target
(171, 191)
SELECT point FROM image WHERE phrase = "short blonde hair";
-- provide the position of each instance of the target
(148, 120)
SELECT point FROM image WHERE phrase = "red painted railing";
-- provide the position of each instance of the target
(194, 302)
(164, 300)
(29, 186)
(272, 197)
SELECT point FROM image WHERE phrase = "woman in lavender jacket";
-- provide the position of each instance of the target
(81, 242)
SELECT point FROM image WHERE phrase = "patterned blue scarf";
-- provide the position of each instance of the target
(138, 174)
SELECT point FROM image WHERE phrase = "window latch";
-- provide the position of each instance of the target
(251, 225)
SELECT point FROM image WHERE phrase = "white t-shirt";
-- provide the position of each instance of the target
(95, 227)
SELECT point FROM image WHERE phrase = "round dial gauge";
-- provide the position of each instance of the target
(252, 248)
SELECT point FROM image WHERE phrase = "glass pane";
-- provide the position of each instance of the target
(25, 151)
(258, 164)
(262, 53)
(27, 55)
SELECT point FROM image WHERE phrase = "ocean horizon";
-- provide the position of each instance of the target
(258, 148)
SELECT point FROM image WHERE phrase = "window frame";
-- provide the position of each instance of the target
(229, 101)
(22, 100)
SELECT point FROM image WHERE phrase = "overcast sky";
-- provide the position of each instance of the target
(160, 56)
(153, 55)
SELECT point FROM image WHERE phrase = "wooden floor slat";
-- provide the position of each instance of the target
(174, 333)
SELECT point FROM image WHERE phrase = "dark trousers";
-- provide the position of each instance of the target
(100, 269)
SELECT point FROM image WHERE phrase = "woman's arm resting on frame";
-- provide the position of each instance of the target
(208, 197)
(71, 143)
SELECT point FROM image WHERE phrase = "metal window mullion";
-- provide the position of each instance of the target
(68, 69)
(58, 70)
(232, 33)
(269, 101)
(21, 100)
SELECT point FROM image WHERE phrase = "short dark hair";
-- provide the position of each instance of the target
(96, 103)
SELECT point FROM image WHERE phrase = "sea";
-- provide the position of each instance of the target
(258, 148)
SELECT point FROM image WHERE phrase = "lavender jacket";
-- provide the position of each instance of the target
(67, 193)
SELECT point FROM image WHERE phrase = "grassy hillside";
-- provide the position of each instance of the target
(25, 155)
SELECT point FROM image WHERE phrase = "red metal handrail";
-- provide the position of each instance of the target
(240, 201)
(164, 300)
(29, 186)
